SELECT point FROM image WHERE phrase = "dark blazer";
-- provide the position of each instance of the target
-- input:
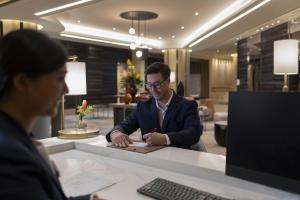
(24, 174)
(181, 122)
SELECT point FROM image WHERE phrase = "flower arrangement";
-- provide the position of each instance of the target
(132, 76)
(83, 109)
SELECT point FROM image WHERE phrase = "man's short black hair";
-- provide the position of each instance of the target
(158, 67)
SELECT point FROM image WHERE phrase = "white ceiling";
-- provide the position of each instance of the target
(172, 14)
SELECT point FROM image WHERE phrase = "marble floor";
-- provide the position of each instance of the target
(104, 122)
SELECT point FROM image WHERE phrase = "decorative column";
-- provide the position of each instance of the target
(8, 25)
(179, 62)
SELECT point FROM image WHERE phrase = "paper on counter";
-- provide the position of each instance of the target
(86, 183)
(138, 144)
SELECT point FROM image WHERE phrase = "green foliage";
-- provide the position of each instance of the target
(83, 111)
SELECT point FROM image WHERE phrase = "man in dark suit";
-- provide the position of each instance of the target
(165, 119)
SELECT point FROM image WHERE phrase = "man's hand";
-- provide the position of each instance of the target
(155, 138)
(120, 139)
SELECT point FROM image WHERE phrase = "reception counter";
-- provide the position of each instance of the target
(87, 165)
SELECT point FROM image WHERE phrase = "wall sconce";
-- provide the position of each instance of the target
(285, 59)
(75, 80)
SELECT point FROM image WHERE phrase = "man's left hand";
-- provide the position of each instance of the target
(155, 139)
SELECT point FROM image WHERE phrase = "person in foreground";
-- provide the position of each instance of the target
(32, 80)
(164, 119)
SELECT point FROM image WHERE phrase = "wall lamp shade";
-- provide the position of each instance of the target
(76, 78)
(285, 59)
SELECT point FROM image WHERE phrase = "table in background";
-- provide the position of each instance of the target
(121, 111)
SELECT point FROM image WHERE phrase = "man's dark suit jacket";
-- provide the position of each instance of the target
(181, 122)
(24, 174)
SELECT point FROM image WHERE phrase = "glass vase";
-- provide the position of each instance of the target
(81, 125)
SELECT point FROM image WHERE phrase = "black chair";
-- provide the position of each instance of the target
(180, 89)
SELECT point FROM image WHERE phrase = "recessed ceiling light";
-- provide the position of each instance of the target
(160, 38)
(61, 7)
(272, 24)
(114, 28)
(278, 21)
(267, 26)
(163, 51)
(196, 13)
(203, 37)
(262, 28)
(190, 50)
(173, 36)
(237, 38)
(182, 27)
(257, 30)
(78, 21)
(235, 44)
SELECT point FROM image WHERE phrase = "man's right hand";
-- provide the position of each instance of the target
(120, 139)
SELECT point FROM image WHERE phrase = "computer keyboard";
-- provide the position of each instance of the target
(167, 190)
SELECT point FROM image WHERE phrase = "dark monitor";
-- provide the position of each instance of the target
(263, 141)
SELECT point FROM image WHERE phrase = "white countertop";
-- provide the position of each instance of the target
(90, 158)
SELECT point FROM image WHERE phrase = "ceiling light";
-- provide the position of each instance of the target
(173, 36)
(257, 30)
(75, 29)
(61, 7)
(229, 22)
(160, 38)
(132, 46)
(235, 44)
(114, 29)
(278, 22)
(39, 27)
(235, 6)
(139, 17)
(139, 53)
(92, 39)
(196, 13)
(78, 21)
(190, 50)
(131, 31)
(182, 27)
(262, 28)
(272, 24)
(163, 50)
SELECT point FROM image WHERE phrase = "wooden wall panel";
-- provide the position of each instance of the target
(101, 70)
(242, 65)
(269, 81)
(265, 80)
